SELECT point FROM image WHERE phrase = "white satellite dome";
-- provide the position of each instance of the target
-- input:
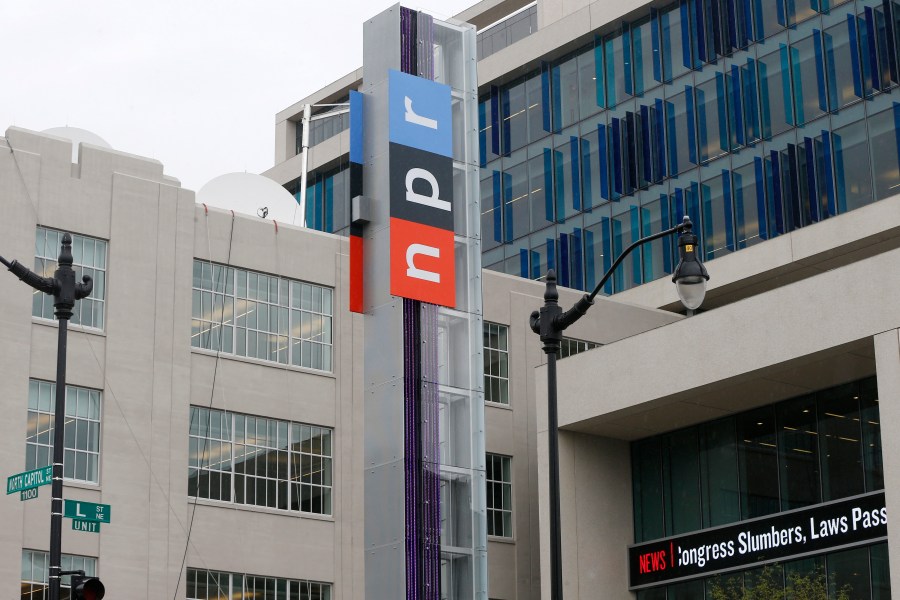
(77, 136)
(251, 194)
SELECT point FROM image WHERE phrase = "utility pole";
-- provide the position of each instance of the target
(66, 291)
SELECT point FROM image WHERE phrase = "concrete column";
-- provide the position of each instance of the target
(887, 363)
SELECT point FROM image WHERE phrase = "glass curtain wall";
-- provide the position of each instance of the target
(796, 453)
(755, 117)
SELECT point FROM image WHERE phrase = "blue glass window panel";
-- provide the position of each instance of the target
(598, 249)
(593, 165)
(812, 196)
(735, 102)
(808, 72)
(851, 166)
(679, 134)
(772, 173)
(645, 54)
(617, 55)
(489, 127)
(626, 229)
(516, 216)
(801, 10)
(750, 90)
(571, 254)
(589, 73)
(768, 17)
(867, 55)
(842, 63)
(749, 194)
(568, 178)
(712, 118)
(655, 217)
(775, 92)
(565, 85)
(675, 41)
(540, 186)
(542, 253)
(513, 111)
(491, 213)
(484, 121)
(884, 140)
(718, 219)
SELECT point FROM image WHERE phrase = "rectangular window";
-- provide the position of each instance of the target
(259, 462)
(81, 460)
(499, 495)
(571, 347)
(36, 567)
(89, 258)
(261, 316)
(215, 585)
(496, 363)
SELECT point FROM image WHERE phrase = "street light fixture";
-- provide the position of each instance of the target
(65, 291)
(550, 321)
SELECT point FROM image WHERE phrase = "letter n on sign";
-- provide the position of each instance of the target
(422, 263)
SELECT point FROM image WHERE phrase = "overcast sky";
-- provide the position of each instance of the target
(194, 84)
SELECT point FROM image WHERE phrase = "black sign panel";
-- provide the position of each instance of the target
(421, 187)
(839, 524)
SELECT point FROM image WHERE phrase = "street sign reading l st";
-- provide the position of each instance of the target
(87, 511)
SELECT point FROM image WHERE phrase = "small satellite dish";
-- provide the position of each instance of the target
(251, 194)
(77, 136)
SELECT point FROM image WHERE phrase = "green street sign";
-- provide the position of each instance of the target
(89, 526)
(28, 494)
(86, 511)
(29, 480)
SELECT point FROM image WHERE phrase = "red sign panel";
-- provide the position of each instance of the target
(422, 265)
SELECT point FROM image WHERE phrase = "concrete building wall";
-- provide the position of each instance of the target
(143, 363)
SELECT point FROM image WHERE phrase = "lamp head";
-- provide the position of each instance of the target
(690, 275)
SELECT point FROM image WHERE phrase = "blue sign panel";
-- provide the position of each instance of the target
(420, 114)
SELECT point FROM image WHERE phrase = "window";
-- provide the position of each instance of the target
(216, 585)
(496, 363)
(261, 316)
(499, 495)
(89, 258)
(259, 462)
(81, 460)
(36, 566)
(571, 347)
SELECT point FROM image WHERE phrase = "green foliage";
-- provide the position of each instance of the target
(769, 584)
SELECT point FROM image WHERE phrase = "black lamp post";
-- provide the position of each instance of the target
(66, 291)
(550, 321)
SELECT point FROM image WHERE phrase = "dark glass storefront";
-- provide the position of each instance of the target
(797, 453)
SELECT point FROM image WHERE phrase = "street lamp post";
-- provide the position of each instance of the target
(66, 291)
(550, 321)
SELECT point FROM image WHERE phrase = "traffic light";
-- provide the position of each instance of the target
(87, 588)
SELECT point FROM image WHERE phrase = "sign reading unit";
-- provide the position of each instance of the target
(421, 187)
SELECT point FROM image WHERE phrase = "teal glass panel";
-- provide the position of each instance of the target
(592, 161)
(646, 74)
(840, 445)
(871, 440)
(884, 143)
(768, 17)
(675, 42)
(775, 92)
(842, 63)
(721, 499)
(516, 216)
(679, 134)
(565, 85)
(848, 574)
(514, 117)
(658, 254)
(626, 230)
(491, 211)
(540, 185)
(808, 71)
(853, 175)
(598, 248)
(617, 53)
(881, 574)
(758, 462)
(590, 72)
(681, 478)
(718, 215)
(798, 452)
(567, 176)
(749, 198)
